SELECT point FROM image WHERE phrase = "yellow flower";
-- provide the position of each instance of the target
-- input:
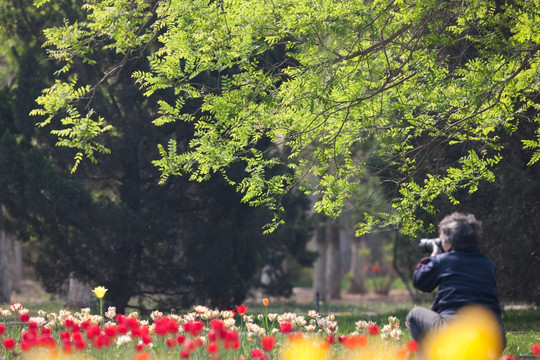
(474, 334)
(99, 291)
(306, 348)
(265, 301)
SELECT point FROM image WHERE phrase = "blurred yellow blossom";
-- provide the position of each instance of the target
(475, 334)
(306, 348)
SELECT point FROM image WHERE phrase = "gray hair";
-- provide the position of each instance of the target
(460, 230)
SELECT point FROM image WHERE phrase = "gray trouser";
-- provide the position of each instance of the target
(421, 320)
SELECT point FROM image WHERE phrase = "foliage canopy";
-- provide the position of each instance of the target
(320, 80)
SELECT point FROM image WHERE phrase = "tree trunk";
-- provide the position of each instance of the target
(5, 287)
(319, 272)
(413, 293)
(266, 278)
(388, 272)
(15, 263)
(358, 274)
(79, 294)
(334, 263)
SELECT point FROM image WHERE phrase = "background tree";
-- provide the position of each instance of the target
(5, 290)
(110, 223)
(320, 265)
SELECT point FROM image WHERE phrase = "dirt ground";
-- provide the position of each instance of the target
(305, 295)
(32, 292)
(29, 291)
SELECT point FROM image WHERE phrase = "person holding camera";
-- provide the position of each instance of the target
(464, 275)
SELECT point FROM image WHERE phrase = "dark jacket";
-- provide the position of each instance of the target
(463, 276)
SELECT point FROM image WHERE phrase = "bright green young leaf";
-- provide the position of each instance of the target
(316, 93)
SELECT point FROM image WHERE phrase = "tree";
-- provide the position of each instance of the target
(357, 272)
(5, 288)
(434, 84)
(334, 273)
(320, 266)
(110, 223)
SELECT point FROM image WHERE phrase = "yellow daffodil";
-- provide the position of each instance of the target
(99, 291)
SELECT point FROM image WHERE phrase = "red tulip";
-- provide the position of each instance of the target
(171, 342)
(241, 310)
(231, 340)
(146, 339)
(373, 330)
(76, 335)
(92, 331)
(69, 323)
(25, 345)
(64, 335)
(353, 342)
(110, 331)
(193, 327)
(9, 343)
(66, 347)
(535, 349)
(268, 343)
(217, 324)
(212, 347)
(102, 340)
(79, 344)
(256, 353)
(412, 346)
(184, 354)
(122, 329)
(285, 327)
(24, 317)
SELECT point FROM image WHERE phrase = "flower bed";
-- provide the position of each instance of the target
(212, 334)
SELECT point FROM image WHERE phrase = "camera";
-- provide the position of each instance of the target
(427, 245)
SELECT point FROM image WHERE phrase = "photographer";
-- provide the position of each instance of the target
(462, 272)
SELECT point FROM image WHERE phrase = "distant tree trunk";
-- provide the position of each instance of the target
(79, 294)
(266, 278)
(319, 273)
(413, 293)
(5, 287)
(15, 263)
(358, 275)
(334, 264)
(389, 273)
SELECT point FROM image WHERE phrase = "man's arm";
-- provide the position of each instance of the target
(425, 277)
